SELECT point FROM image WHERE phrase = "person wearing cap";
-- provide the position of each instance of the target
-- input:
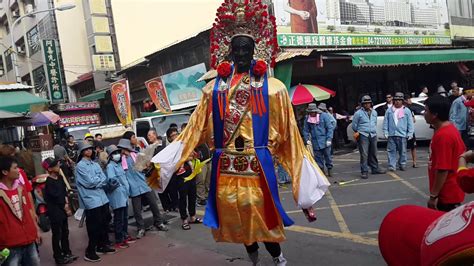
(459, 115)
(118, 197)
(139, 189)
(364, 124)
(91, 181)
(318, 131)
(55, 195)
(89, 138)
(398, 128)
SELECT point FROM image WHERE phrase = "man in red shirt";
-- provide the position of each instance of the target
(18, 229)
(446, 147)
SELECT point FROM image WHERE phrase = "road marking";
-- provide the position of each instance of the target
(336, 235)
(408, 184)
(337, 213)
(325, 233)
(379, 182)
(369, 233)
(355, 204)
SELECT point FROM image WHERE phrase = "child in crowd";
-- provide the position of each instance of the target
(118, 197)
(55, 195)
(19, 232)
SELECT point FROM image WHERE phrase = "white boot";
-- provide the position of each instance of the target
(280, 260)
(254, 258)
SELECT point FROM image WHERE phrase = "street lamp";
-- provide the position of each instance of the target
(12, 26)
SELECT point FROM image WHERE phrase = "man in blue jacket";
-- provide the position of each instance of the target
(364, 124)
(91, 180)
(459, 115)
(318, 130)
(398, 128)
(139, 189)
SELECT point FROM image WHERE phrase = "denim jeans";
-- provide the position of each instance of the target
(283, 176)
(324, 158)
(24, 255)
(397, 147)
(121, 224)
(368, 153)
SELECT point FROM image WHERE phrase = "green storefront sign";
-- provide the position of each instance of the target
(53, 71)
(354, 40)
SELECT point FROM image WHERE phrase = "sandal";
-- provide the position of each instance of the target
(196, 221)
(185, 226)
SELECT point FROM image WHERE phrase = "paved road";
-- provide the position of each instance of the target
(344, 234)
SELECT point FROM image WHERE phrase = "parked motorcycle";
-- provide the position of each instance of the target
(39, 182)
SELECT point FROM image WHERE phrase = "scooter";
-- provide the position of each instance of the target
(39, 182)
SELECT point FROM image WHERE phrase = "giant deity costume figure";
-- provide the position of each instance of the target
(247, 119)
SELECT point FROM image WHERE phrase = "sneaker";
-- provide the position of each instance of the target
(63, 260)
(141, 233)
(402, 168)
(106, 250)
(202, 203)
(161, 227)
(122, 245)
(92, 258)
(379, 172)
(390, 169)
(280, 261)
(130, 240)
(71, 256)
(364, 175)
(329, 173)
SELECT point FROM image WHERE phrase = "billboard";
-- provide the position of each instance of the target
(182, 87)
(329, 23)
(461, 19)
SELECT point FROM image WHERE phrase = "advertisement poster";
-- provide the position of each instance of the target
(182, 86)
(328, 23)
(461, 18)
(158, 95)
(121, 100)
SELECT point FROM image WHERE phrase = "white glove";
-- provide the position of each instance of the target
(386, 136)
(409, 138)
(308, 142)
(304, 15)
(328, 143)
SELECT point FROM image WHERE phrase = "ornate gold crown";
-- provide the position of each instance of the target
(244, 18)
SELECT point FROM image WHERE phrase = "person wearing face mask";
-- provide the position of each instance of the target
(318, 131)
(118, 197)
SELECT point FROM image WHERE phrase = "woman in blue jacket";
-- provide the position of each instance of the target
(118, 194)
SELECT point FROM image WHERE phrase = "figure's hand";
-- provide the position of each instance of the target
(432, 203)
(308, 142)
(304, 15)
(328, 143)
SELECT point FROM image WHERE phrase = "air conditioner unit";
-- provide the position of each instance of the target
(21, 50)
(16, 14)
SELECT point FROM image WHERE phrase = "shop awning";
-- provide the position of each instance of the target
(19, 101)
(391, 58)
(95, 96)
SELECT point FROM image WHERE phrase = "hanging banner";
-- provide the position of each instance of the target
(121, 100)
(53, 71)
(158, 94)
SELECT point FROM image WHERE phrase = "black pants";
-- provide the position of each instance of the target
(121, 224)
(273, 248)
(60, 239)
(447, 207)
(187, 198)
(137, 209)
(97, 225)
(169, 197)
